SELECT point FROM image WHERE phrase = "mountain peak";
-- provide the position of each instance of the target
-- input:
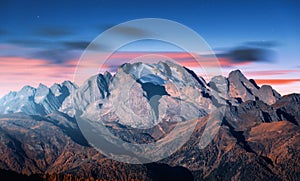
(35, 101)
(27, 91)
(67, 82)
(244, 89)
(173, 78)
(42, 85)
(27, 87)
(236, 74)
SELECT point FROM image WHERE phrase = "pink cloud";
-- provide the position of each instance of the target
(15, 72)
(271, 72)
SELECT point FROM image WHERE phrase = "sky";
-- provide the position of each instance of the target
(42, 41)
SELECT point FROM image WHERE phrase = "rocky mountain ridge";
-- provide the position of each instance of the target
(262, 144)
(67, 97)
(36, 101)
(258, 136)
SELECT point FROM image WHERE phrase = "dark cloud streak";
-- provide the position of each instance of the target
(265, 44)
(255, 51)
(248, 54)
(24, 42)
(126, 30)
(55, 56)
(53, 31)
(75, 44)
(81, 45)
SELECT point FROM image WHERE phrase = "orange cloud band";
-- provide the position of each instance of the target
(276, 81)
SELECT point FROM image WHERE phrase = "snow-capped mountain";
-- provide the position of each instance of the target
(259, 134)
(94, 89)
(36, 101)
(142, 95)
(150, 89)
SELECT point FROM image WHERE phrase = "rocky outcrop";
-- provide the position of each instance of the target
(93, 90)
(288, 108)
(152, 93)
(239, 89)
(36, 101)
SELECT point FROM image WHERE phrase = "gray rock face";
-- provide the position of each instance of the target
(147, 90)
(93, 90)
(240, 89)
(36, 101)
(63, 90)
(268, 95)
(288, 108)
(46, 99)
(220, 84)
(22, 101)
(143, 95)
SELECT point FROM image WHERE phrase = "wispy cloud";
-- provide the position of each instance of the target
(276, 81)
(28, 42)
(265, 44)
(271, 72)
(53, 31)
(81, 45)
(127, 30)
(252, 51)
(248, 54)
(15, 72)
(56, 56)
(25, 60)
(190, 60)
(244, 54)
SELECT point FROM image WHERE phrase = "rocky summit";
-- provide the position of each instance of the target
(258, 136)
(36, 101)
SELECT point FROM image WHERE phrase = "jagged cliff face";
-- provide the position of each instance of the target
(161, 84)
(258, 139)
(241, 89)
(149, 91)
(154, 93)
(36, 101)
(93, 90)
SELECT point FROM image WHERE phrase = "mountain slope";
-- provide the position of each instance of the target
(246, 144)
(265, 150)
(258, 139)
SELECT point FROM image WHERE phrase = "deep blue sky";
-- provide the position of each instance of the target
(221, 23)
(57, 31)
